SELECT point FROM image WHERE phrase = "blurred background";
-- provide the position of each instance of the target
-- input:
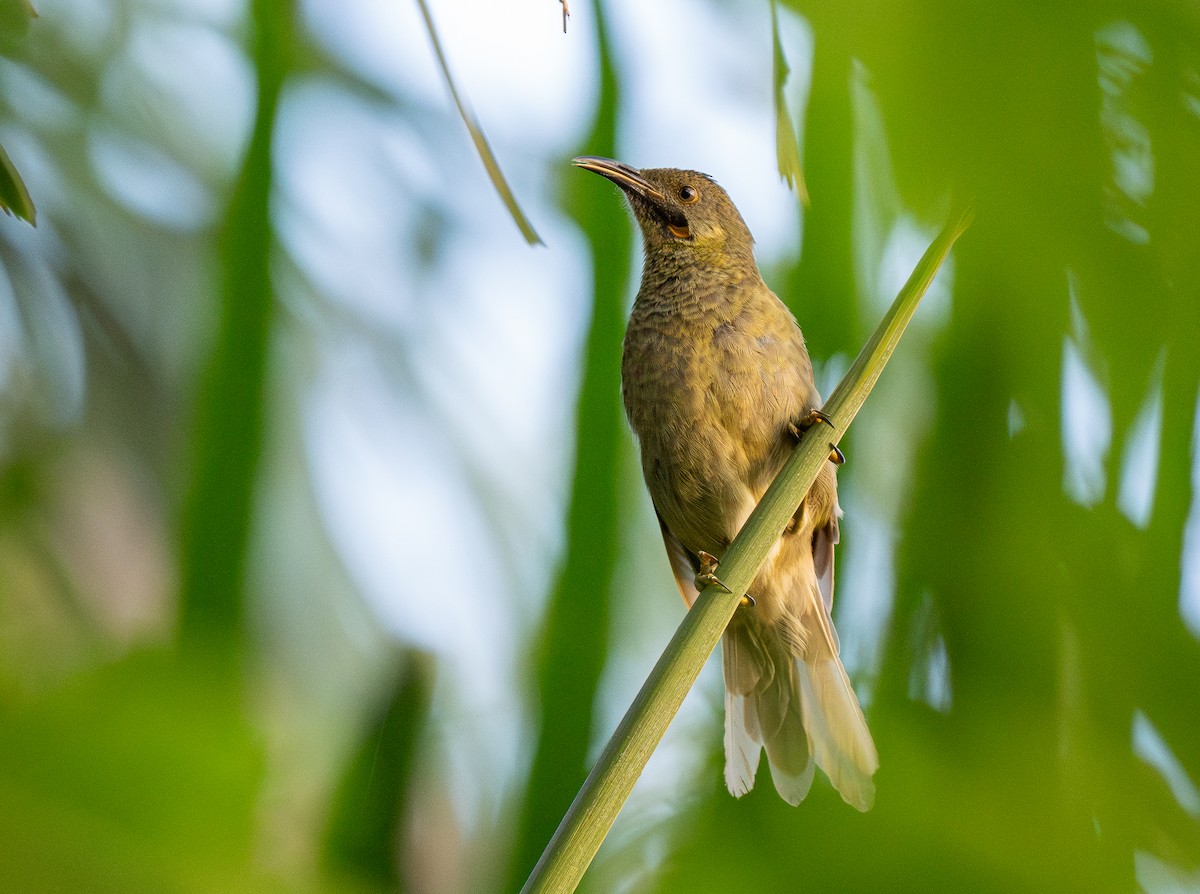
(325, 562)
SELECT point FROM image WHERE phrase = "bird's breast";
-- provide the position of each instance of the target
(709, 392)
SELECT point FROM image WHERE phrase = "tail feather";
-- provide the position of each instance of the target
(742, 750)
(841, 742)
(803, 713)
(744, 670)
(783, 753)
(787, 745)
(762, 710)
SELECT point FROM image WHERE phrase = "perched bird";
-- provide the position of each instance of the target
(718, 386)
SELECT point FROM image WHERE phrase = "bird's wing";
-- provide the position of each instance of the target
(682, 563)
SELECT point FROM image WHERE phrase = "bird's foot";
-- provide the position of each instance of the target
(797, 430)
(799, 427)
(708, 577)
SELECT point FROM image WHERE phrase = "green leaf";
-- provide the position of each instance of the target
(371, 804)
(481, 144)
(231, 404)
(787, 147)
(14, 197)
(578, 616)
(14, 19)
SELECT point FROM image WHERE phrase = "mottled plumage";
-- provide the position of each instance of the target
(715, 376)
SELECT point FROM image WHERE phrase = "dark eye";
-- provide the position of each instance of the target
(688, 195)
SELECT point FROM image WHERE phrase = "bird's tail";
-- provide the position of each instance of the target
(841, 742)
(800, 712)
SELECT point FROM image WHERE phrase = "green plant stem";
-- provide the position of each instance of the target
(594, 809)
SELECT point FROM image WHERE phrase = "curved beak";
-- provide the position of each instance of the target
(628, 178)
(637, 187)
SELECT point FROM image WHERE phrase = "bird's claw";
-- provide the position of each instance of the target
(707, 575)
(798, 428)
(815, 416)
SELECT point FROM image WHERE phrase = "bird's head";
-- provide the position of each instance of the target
(679, 211)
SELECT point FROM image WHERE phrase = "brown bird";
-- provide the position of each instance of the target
(718, 387)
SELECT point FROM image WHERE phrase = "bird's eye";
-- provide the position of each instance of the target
(688, 195)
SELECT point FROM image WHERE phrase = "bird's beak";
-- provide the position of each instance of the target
(636, 186)
(628, 178)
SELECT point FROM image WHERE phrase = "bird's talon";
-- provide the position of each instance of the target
(711, 580)
(815, 416)
(708, 573)
(797, 429)
(747, 600)
(835, 455)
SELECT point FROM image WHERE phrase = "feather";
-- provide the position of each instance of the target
(742, 751)
(838, 731)
(762, 710)
(823, 541)
(743, 672)
(683, 566)
(787, 745)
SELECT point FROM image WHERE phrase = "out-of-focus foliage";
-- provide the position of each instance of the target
(791, 168)
(14, 197)
(575, 633)
(250, 229)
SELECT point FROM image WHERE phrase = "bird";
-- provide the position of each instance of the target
(718, 387)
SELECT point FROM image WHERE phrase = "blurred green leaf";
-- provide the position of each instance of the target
(787, 148)
(481, 144)
(229, 426)
(14, 197)
(573, 643)
(822, 288)
(15, 16)
(372, 801)
(141, 776)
